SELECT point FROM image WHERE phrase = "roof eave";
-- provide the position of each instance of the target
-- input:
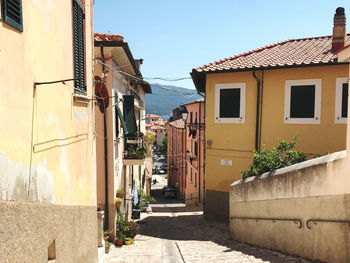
(198, 76)
(199, 80)
(126, 49)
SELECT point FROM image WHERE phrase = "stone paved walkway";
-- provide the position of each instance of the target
(174, 233)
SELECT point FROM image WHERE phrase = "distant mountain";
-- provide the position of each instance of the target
(165, 98)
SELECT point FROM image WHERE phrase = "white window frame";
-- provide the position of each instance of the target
(338, 100)
(238, 85)
(317, 110)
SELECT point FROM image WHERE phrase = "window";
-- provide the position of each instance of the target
(195, 179)
(11, 13)
(196, 149)
(191, 117)
(302, 101)
(341, 100)
(191, 174)
(230, 103)
(79, 47)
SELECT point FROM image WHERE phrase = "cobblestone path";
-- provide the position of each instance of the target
(174, 233)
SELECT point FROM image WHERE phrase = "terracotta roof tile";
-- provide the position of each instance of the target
(180, 124)
(107, 37)
(303, 51)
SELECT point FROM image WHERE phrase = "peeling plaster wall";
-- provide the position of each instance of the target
(47, 142)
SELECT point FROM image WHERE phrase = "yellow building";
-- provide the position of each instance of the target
(120, 126)
(274, 92)
(47, 143)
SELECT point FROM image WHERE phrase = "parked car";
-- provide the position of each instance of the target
(163, 169)
(169, 192)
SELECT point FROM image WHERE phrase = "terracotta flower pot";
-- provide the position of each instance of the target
(117, 204)
(119, 242)
(107, 247)
(120, 195)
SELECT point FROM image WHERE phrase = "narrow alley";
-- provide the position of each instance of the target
(175, 233)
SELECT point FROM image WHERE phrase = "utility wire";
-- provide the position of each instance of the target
(184, 94)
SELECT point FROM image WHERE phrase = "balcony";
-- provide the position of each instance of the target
(135, 151)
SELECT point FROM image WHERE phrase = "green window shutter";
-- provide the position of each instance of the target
(79, 46)
(116, 114)
(120, 115)
(129, 115)
(11, 11)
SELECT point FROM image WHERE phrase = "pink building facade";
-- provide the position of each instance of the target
(195, 177)
(186, 154)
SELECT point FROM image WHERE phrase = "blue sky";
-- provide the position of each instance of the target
(175, 36)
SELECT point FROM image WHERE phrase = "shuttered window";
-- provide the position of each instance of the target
(341, 100)
(344, 104)
(230, 102)
(11, 11)
(302, 101)
(129, 115)
(79, 46)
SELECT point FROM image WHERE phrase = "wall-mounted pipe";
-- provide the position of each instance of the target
(257, 143)
(106, 216)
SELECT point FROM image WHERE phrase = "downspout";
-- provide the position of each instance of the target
(257, 143)
(106, 215)
(204, 152)
(199, 154)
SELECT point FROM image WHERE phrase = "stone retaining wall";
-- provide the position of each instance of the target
(268, 210)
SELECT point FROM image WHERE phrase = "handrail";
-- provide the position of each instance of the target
(315, 220)
(295, 220)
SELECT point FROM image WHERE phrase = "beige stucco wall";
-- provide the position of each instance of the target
(120, 176)
(315, 189)
(47, 142)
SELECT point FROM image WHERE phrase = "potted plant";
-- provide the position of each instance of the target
(120, 240)
(107, 247)
(128, 241)
(117, 202)
(120, 193)
(106, 235)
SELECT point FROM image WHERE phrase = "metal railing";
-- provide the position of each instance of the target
(272, 219)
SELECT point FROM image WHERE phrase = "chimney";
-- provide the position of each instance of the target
(339, 29)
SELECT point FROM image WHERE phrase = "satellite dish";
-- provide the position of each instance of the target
(101, 93)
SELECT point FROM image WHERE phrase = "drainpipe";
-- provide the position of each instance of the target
(106, 216)
(199, 154)
(204, 148)
(257, 143)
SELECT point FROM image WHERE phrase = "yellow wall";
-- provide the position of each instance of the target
(236, 142)
(62, 161)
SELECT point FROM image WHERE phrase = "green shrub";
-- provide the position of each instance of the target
(280, 156)
(134, 229)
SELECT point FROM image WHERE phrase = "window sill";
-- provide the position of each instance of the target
(78, 98)
(302, 121)
(340, 120)
(230, 120)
